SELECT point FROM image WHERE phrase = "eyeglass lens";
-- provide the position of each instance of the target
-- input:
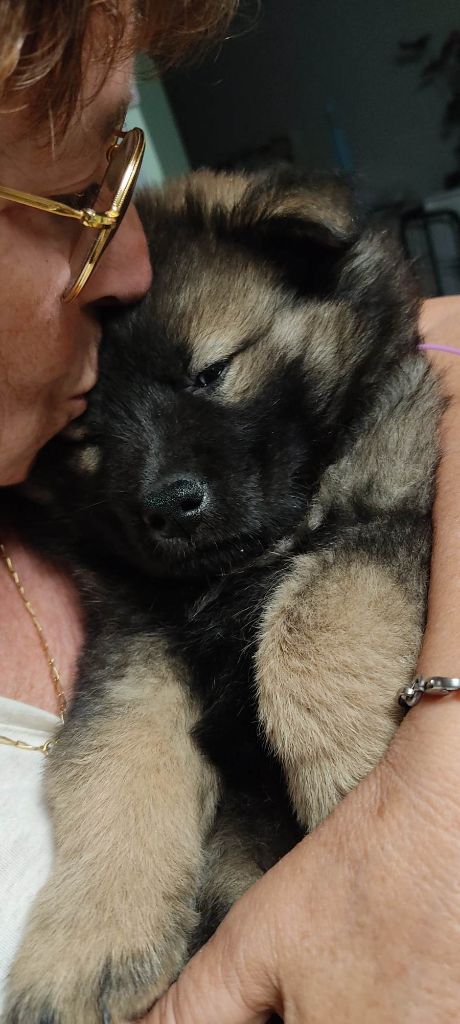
(91, 243)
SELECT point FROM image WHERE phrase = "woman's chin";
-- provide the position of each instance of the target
(77, 406)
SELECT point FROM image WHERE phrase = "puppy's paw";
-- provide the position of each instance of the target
(81, 965)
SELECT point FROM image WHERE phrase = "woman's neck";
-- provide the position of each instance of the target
(24, 672)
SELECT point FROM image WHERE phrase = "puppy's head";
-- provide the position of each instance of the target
(224, 395)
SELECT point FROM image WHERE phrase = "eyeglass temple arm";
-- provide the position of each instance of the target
(88, 217)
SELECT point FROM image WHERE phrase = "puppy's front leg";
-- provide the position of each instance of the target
(132, 799)
(339, 637)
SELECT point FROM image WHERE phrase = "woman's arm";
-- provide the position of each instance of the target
(361, 922)
(441, 648)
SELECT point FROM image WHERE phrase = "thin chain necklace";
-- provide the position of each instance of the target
(52, 667)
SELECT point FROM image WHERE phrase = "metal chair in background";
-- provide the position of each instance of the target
(431, 240)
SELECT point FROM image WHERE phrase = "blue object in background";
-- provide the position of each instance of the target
(342, 151)
(165, 156)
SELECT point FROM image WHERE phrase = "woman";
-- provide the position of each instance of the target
(361, 921)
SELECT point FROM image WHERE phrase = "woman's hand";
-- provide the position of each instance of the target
(361, 922)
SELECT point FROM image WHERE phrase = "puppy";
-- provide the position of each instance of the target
(245, 508)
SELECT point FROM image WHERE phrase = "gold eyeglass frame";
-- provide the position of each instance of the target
(105, 223)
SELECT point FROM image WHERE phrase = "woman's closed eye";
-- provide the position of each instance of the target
(80, 200)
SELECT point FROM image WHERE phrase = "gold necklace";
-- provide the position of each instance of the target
(53, 670)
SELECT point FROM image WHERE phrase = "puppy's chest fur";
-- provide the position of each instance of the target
(213, 629)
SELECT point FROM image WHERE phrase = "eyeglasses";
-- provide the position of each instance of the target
(103, 218)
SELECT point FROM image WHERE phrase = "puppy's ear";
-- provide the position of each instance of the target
(304, 228)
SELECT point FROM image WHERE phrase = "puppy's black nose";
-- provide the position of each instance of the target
(175, 506)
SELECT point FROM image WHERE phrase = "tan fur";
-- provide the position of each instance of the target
(228, 309)
(225, 189)
(337, 642)
(237, 302)
(393, 463)
(331, 330)
(87, 459)
(260, 331)
(230, 868)
(325, 204)
(129, 852)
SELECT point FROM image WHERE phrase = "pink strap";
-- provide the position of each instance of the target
(441, 348)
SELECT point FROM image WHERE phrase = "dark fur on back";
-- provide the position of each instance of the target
(246, 509)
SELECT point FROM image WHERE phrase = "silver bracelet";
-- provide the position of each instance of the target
(411, 694)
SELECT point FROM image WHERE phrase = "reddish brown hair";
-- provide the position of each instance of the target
(42, 41)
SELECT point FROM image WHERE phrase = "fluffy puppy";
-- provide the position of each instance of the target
(246, 510)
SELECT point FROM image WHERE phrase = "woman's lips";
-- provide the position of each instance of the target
(78, 403)
(83, 391)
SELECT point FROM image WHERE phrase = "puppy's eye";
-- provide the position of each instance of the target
(211, 374)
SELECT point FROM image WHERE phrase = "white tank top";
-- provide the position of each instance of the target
(25, 829)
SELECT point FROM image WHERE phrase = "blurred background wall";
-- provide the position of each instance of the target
(328, 85)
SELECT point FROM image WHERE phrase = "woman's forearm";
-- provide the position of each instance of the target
(440, 654)
(434, 725)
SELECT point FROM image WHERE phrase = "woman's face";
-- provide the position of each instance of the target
(48, 349)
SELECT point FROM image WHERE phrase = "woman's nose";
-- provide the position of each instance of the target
(124, 271)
